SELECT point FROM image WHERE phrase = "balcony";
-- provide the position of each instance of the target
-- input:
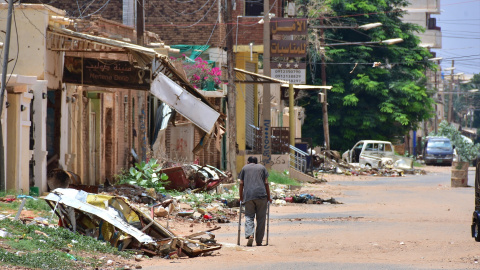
(424, 6)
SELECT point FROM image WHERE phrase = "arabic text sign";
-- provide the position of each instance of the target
(288, 26)
(106, 73)
(288, 48)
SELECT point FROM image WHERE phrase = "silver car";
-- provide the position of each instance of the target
(376, 154)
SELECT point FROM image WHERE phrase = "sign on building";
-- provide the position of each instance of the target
(106, 73)
(294, 73)
(288, 26)
(288, 48)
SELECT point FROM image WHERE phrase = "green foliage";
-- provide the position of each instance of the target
(146, 175)
(367, 102)
(465, 150)
(41, 252)
(39, 206)
(204, 198)
(281, 178)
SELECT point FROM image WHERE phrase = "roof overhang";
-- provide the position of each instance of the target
(65, 40)
(243, 76)
(308, 87)
(61, 39)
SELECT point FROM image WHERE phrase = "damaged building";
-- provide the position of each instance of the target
(83, 97)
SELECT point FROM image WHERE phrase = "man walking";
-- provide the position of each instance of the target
(255, 194)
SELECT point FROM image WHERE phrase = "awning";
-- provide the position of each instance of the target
(60, 39)
(243, 76)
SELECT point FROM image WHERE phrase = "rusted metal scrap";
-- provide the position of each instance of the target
(113, 219)
(195, 177)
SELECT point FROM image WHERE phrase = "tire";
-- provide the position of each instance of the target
(476, 231)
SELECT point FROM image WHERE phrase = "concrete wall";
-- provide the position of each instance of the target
(31, 26)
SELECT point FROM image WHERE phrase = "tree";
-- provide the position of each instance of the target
(464, 104)
(466, 150)
(367, 102)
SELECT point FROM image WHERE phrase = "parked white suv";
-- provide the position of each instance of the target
(376, 154)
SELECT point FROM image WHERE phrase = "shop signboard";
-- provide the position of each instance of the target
(105, 73)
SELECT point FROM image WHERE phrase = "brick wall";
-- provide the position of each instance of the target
(178, 23)
(86, 8)
(185, 22)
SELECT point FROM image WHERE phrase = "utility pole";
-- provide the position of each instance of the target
(140, 21)
(326, 132)
(266, 120)
(450, 96)
(232, 96)
(6, 49)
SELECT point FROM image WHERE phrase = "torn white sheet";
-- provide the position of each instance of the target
(184, 103)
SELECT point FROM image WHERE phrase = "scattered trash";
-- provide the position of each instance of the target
(5, 234)
(70, 256)
(42, 233)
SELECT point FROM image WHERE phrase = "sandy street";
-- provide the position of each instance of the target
(411, 222)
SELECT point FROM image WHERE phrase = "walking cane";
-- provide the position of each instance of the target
(268, 220)
(239, 224)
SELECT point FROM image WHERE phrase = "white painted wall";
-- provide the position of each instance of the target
(28, 38)
(40, 147)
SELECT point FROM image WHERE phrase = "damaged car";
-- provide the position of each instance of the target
(376, 154)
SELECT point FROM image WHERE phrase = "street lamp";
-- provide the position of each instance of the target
(388, 42)
(369, 26)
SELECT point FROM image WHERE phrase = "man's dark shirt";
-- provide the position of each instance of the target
(253, 177)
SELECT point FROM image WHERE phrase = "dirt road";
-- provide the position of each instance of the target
(412, 222)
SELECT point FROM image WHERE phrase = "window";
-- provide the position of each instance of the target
(388, 147)
(369, 147)
(253, 7)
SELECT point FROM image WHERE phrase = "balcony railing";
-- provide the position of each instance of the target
(298, 159)
(280, 139)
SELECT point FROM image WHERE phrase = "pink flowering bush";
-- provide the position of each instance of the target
(201, 71)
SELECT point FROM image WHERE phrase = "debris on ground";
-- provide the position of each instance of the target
(330, 161)
(115, 220)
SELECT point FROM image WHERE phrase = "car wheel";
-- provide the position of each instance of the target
(476, 233)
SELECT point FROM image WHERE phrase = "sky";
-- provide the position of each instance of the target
(460, 26)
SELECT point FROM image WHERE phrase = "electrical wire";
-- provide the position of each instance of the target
(181, 13)
(213, 30)
(28, 19)
(93, 13)
(18, 46)
(85, 9)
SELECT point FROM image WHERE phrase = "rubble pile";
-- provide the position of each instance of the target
(330, 162)
(124, 225)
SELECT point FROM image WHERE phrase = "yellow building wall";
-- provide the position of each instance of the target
(241, 58)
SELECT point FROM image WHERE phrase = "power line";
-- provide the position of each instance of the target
(181, 13)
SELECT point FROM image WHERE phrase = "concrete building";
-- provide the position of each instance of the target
(65, 109)
(419, 12)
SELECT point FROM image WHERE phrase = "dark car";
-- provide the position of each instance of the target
(438, 150)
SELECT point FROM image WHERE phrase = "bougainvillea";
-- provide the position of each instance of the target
(201, 71)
